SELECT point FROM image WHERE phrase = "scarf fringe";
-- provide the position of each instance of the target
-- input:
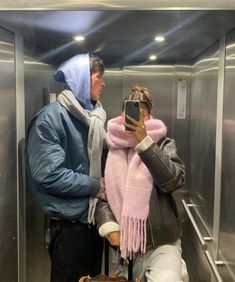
(133, 236)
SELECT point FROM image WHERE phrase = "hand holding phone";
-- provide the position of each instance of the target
(131, 109)
(134, 121)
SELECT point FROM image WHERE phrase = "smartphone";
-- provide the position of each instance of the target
(132, 109)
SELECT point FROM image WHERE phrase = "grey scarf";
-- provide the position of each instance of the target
(95, 120)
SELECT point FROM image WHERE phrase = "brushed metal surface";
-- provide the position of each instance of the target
(112, 95)
(202, 133)
(202, 155)
(118, 4)
(8, 175)
(227, 211)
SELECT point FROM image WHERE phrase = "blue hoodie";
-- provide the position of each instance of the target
(75, 73)
(56, 150)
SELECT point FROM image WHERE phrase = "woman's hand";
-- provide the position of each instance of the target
(138, 127)
(114, 238)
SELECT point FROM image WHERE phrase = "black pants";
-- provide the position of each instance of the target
(75, 250)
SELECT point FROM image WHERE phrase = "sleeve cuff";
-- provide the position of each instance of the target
(95, 187)
(108, 227)
(144, 144)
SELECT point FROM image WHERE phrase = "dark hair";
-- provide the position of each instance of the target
(96, 64)
(142, 94)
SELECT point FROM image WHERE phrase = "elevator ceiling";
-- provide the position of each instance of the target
(119, 37)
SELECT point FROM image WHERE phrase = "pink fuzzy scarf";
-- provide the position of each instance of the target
(129, 184)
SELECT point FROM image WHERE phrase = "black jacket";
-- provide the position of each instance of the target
(168, 172)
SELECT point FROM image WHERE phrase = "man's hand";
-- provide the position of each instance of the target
(102, 193)
(114, 238)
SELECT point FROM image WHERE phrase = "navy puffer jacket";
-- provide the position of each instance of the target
(58, 164)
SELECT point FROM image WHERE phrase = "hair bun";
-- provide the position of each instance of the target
(141, 93)
(136, 88)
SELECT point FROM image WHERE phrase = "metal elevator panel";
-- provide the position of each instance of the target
(202, 155)
(117, 4)
(202, 133)
(227, 211)
(8, 176)
(180, 124)
(112, 95)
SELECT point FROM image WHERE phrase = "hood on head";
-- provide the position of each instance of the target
(75, 73)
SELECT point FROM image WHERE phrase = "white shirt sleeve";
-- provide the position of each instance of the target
(108, 227)
(144, 144)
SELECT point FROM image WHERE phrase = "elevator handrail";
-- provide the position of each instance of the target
(199, 235)
(213, 267)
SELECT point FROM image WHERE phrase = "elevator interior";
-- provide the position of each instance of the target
(192, 81)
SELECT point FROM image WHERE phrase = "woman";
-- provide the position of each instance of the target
(140, 216)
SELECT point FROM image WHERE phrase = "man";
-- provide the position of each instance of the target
(63, 155)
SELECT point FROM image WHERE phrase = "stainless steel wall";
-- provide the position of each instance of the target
(202, 132)
(227, 207)
(202, 154)
(212, 162)
(8, 174)
(112, 95)
(117, 4)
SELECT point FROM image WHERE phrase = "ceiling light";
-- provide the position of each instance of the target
(152, 57)
(79, 38)
(159, 38)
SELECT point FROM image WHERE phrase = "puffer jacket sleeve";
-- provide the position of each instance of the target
(47, 164)
(165, 166)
